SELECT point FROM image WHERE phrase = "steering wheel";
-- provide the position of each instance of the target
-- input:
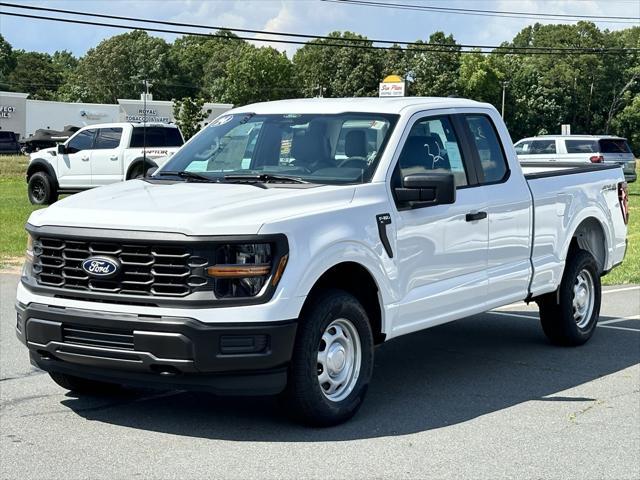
(354, 162)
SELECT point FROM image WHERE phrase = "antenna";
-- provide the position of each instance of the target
(146, 84)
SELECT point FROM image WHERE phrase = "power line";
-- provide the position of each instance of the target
(490, 13)
(365, 41)
(422, 47)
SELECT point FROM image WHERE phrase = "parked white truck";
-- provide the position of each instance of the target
(99, 155)
(286, 240)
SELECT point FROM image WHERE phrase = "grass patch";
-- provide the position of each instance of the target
(15, 209)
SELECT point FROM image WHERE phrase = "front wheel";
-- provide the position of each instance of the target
(41, 189)
(569, 315)
(332, 360)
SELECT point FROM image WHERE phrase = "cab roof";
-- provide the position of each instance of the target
(392, 105)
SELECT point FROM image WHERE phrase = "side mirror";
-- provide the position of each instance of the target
(62, 149)
(426, 190)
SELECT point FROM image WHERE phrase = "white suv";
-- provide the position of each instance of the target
(99, 155)
(578, 148)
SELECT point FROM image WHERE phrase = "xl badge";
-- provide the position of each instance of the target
(101, 267)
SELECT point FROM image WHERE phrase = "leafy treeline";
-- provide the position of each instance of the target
(595, 93)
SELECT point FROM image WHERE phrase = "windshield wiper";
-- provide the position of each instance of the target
(264, 178)
(188, 176)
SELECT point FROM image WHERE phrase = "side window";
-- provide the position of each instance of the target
(543, 147)
(523, 148)
(581, 146)
(432, 146)
(492, 160)
(108, 138)
(82, 141)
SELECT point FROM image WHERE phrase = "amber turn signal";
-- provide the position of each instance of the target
(280, 270)
(239, 271)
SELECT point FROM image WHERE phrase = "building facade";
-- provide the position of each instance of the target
(24, 116)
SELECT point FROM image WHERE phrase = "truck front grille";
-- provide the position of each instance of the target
(151, 270)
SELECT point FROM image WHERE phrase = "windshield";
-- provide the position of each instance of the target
(317, 148)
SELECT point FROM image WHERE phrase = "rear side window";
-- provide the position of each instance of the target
(581, 146)
(82, 141)
(7, 137)
(492, 159)
(156, 137)
(617, 145)
(108, 138)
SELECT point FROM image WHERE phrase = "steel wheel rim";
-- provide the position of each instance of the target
(38, 190)
(583, 298)
(339, 359)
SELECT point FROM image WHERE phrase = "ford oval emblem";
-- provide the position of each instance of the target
(101, 267)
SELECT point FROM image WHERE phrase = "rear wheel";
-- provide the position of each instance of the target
(569, 316)
(84, 385)
(332, 360)
(41, 189)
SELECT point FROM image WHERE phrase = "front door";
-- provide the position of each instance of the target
(106, 157)
(74, 167)
(441, 249)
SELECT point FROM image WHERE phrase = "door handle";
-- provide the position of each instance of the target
(85, 159)
(113, 158)
(475, 216)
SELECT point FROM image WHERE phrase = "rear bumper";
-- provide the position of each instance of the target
(158, 352)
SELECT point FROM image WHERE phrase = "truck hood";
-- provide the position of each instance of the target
(190, 208)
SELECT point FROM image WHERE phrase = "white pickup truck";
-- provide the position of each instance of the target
(286, 240)
(99, 155)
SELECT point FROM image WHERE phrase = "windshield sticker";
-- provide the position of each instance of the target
(376, 125)
(221, 120)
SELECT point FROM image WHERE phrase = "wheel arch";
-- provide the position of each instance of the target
(590, 235)
(41, 165)
(356, 279)
(137, 162)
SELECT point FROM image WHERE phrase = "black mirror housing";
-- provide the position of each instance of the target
(426, 190)
(62, 149)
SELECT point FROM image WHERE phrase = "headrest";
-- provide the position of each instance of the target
(355, 143)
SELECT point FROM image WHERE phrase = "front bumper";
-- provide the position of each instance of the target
(158, 351)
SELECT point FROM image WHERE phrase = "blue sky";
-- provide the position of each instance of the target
(300, 16)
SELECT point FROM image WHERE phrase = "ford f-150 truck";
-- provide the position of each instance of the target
(99, 155)
(287, 239)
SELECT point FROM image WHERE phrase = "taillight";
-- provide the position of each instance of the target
(596, 159)
(623, 197)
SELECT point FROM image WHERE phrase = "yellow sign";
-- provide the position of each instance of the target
(393, 79)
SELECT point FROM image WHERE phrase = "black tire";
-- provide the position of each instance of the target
(304, 395)
(42, 189)
(557, 309)
(84, 385)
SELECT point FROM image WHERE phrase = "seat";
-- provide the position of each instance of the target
(311, 150)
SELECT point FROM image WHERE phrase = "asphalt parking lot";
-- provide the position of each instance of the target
(485, 397)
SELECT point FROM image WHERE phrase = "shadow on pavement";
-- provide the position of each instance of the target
(431, 379)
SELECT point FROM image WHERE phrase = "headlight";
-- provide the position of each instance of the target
(28, 258)
(243, 270)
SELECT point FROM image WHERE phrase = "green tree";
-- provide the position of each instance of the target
(434, 73)
(116, 68)
(480, 78)
(36, 75)
(189, 115)
(339, 72)
(259, 74)
(7, 62)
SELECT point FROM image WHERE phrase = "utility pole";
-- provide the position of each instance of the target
(504, 91)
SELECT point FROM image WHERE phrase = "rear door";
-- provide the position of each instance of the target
(509, 210)
(74, 167)
(106, 156)
(617, 151)
(442, 249)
